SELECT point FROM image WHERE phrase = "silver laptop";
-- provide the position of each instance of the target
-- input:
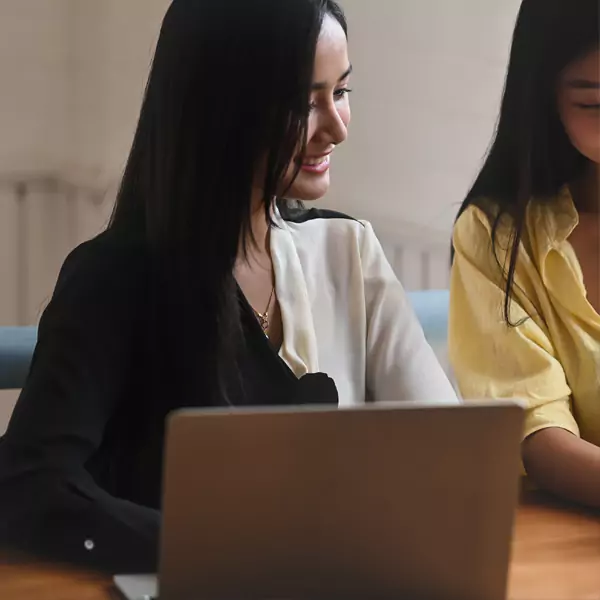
(381, 502)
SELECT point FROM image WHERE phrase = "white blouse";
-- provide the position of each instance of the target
(345, 313)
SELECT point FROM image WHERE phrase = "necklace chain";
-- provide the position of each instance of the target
(263, 318)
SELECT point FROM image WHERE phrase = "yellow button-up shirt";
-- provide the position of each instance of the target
(551, 360)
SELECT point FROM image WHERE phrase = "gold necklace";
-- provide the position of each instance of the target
(263, 318)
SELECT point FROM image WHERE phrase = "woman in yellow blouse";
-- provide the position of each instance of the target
(525, 291)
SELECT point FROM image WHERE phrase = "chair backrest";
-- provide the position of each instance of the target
(16, 349)
(17, 343)
(431, 307)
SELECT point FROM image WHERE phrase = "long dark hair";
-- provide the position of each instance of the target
(229, 92)
(531, 157)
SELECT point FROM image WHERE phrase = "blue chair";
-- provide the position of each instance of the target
(431, 307)
(17, 343)
(16, 350)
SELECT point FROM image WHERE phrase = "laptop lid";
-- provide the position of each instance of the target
(403, 501)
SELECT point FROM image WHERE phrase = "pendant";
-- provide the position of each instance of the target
(264, 322)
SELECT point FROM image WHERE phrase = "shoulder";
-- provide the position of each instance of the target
(328, 226)
(473, 225)
(117, 259)
(483, 244)
(481, 231)
(317, 217)
(344, 243)
(102, 284)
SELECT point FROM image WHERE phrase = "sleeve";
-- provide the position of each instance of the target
(400, 363)
(50, 506)
(491, 359)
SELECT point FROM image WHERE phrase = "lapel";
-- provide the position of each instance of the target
(299, 349)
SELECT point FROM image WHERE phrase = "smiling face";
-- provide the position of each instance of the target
(579, 104)
(329, 114)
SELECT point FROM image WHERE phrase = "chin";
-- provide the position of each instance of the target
(589, 151)
(308, 188)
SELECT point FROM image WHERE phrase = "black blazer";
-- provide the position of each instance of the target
(80, 464)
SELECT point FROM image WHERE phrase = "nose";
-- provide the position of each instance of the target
(333, 124)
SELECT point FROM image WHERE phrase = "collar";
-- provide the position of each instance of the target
(299, 349)
(552, 222)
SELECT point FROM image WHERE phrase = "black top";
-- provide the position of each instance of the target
(80, 464)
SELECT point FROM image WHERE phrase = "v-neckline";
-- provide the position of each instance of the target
(311, 388)
(298, 350)
(256, 331)
(579, 303)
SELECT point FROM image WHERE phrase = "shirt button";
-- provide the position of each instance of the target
(89, 544)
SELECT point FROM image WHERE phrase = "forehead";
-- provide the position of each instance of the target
(586, 69)
(331, 59)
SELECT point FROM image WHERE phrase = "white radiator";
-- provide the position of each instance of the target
(419, 256)
(43, 217)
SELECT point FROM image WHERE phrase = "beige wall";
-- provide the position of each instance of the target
(428, 80)
(33, 112)
(429, 75)
(33, 66)
(112, 50)
(73, 73)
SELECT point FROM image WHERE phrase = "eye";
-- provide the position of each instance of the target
(588, 106)
(341, 93)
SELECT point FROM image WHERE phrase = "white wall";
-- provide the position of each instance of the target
(112, 46)
(33, 115)
(72, 75)
(112, 43)
(33, 102)
(33, 124)
(428, 80)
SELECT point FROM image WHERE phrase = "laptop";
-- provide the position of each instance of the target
(379, 502)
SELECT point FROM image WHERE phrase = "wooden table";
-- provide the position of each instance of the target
(556, 552)
(556, 556)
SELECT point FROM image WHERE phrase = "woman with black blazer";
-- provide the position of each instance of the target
(208, 288)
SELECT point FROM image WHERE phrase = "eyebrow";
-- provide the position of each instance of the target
(583, 84)
(321, 85)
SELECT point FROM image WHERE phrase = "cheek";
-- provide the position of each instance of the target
(583, 129)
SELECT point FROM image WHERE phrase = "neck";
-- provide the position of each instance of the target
(260, 230)
(586, 190)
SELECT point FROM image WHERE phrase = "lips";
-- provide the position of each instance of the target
(316, 164)
(313, 162)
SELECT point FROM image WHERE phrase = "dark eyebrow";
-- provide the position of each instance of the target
(583, 84)
(321, 85)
